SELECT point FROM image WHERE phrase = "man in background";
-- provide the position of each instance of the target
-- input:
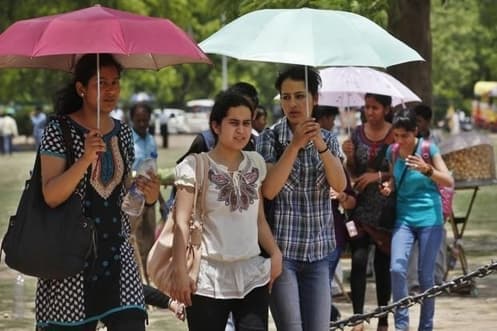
(38, 121)
(8, 131)
(143, 226)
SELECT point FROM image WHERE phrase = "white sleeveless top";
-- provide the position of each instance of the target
(230, 266)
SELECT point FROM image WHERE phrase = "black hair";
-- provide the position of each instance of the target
(142, 105)
(423, 111)
(321, 110)
(297, 72)
(384, 100)
(67, 100)
(247, 90)
(223, 102)
(260, 111)
(405, 119)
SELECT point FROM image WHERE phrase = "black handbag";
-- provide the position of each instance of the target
(49, 243)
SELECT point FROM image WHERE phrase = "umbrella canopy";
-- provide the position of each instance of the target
(483, 88)
(346, 86)
(309, 37)
(136, 41)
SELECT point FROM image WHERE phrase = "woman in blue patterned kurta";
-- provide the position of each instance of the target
(109, 288)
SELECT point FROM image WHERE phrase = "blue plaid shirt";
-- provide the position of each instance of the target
(303, 218)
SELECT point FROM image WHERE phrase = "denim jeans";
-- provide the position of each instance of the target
(300, 299)
(334, 259)
(428, 239)
(440, 264)
(8, 146)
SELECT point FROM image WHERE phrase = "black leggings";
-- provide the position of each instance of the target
(360, 252)
(126, 320)
(249, 313)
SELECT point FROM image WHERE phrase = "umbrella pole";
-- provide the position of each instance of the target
(98, 91)
(306, 91)
(347, 112)
(98, 114)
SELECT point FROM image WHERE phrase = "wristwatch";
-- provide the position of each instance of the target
(429, 172)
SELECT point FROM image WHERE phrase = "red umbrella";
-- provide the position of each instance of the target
(137, 41)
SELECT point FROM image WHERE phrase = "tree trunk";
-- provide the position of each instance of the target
(409, 21)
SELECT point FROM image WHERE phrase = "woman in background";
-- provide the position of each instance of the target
(419, 212)
(367, 165)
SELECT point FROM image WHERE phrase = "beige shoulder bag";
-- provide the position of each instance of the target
(159, 261)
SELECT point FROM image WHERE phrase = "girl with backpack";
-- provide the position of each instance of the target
(419, 216)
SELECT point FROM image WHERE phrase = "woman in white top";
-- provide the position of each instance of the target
(233, 276)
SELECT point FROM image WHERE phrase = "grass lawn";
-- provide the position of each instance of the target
(480, 239)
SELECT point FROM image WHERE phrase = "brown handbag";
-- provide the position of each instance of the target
(160, 261)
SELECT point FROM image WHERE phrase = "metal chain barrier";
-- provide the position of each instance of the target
(448, 287)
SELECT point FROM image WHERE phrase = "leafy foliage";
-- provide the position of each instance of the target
(463, 37)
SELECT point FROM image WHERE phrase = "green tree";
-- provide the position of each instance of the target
(463, 35)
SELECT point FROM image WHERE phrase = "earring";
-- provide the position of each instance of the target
(82, 94)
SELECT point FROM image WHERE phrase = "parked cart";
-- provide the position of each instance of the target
(470, 157)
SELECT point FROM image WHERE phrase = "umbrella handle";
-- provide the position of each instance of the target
(98, 92)
(307, 91)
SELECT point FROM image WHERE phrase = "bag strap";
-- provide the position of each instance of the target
(395, 155)
(278, 146)
(66, 134)
(425, 151)
(205, 184)
(201, 173)
(405, 167)
(395, 152)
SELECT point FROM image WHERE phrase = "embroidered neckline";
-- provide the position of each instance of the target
(105, 183)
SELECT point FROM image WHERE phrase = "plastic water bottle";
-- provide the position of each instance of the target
(147, 165)
(18, 309)
(134, 200)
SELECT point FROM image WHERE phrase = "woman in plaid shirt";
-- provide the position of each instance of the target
(299, 183)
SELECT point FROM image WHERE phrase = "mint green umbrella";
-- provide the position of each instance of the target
(310, 37)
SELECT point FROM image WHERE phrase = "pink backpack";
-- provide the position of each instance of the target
(447, 193)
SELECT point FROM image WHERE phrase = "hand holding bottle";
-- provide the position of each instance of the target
(144, 188)
(150, 187)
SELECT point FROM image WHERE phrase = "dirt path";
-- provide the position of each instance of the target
(452, 312)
